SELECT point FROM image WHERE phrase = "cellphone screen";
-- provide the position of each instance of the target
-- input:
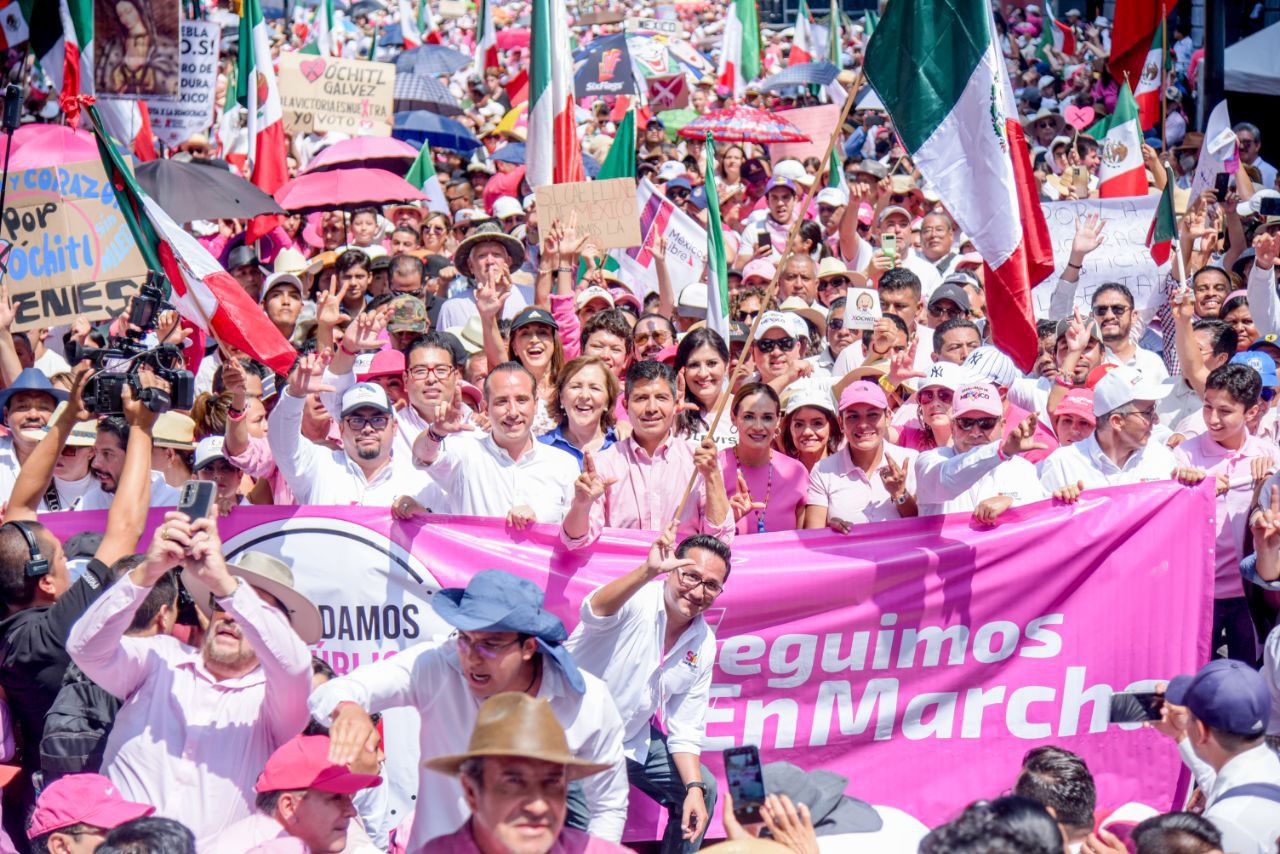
(746, 780)
(1135, 707)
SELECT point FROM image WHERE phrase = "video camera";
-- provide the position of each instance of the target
(118, 363)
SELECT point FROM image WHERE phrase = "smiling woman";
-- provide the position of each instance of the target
(770, 486)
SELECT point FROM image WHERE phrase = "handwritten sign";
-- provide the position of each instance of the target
(174, 120)
(69, 250)
(1123, 256)
(323, 93)
(815, 123)
(606, 209)
(668, 93)
(861, 308)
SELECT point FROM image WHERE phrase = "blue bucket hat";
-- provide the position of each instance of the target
(30, 379)
(497, 601)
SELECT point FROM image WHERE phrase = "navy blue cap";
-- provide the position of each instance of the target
(1227, 695)
(1260, 362)
(680, 182)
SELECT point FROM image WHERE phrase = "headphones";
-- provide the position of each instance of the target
(37, 564)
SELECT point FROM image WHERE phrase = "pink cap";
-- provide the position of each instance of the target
(1078, 402)
(980, 398)
(303, 763)
(866, 214)
(621, 295)
(82, 799)
(667, 355)
(863, 391)
(385, 362)
(760, 268)
(470, 393)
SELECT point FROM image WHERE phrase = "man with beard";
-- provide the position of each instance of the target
(365, 470)
(198, 725)
(652, 334)
(1113, 308)
(110, 446)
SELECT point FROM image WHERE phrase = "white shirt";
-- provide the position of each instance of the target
(1249, 825)
(1084, 462)
(900, 833)
(625, 650)
(853, 356)
(318, 475)
(1179, 403)
(928, 274)
(481, 479)
(1271, 673)
(51, 363)
(456, 311)
(947, 482)
(162, 495)
(1032, 394)
(70, 492)
(849, 493)
(429, 678)
(1150, 363)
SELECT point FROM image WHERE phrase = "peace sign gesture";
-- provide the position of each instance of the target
(449, 417)
(590, 485)
(1023, 438)
(329, 304)
(741, 501)
(661, 558)
(894, 477)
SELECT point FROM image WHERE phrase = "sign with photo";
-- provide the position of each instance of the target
(137, 49)
(861, 308)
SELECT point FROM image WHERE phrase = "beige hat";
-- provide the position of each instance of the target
(471, 335)
(174, 430)
(797, 305)
(82, 435)
(270, 575)
(830, 267)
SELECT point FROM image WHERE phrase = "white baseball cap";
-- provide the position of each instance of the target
(1122, 386)
(505, 206)
(793, 170)
(944, 374)
(813, 391)
(670, 170)
(365, 394)
(833, 196)
(775, 320)
(586, 295)
(208, 450)
(1253, 205)
(990, 364)
(692, 301)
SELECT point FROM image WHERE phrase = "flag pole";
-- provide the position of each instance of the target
(772, 290)
(1164, 57)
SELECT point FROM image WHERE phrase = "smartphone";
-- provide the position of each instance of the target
(746, 782)
(1222, 184)
(889, 243)
(1080, 180)
(1269, 206)
(1136, 706)
(196, 498)
(763, 239)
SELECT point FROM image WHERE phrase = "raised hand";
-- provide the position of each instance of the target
(1077, 333)
(902, 365)
(590, 486)
(449, 417)
(741, 501)
(1265, 246)
(363, 333)
(329, 304)
(894, 477)
(75, 399)
(1070, 493)
(1022, 438)
(706, 459)
(1265, 525)
(351, 733)
(307, 376)
(1088, 236)
(791, 826)
(491, 296)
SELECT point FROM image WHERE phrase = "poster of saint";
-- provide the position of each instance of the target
(136, 48)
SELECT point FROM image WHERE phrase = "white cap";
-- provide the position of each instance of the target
(793, 170)
(990, 364)
(1124, 385)
(944, 374)
(1044, 82)
(281, 279)
(775, 320)
(208, 449)
(1253, 205)
(692, 301)
(365, 394)
(529, 201)
(813, 391)
(469, 215)
(586, 295)
(505, 206)
(670, 170)
(1101, 21)
(1059, 140)
(833, 196)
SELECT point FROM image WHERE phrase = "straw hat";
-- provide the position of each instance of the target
(487, 232)
(270, 575)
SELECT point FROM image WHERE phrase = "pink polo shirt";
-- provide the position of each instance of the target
(570, 841)
(1233, 508)
(853, 495)
(780, 486)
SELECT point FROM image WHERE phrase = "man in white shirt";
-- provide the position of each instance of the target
(365, 470)
(505, 472)
(979, 472)
(897, 220)
(1219, 717)
(1113, 308)
(650, 643)
(1250, 140)
(487, 253)
(505, 641)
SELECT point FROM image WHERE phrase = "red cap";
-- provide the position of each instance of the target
(471, 394)
(1098, 373)
(385, 362)
(82, 799)
(303, 763)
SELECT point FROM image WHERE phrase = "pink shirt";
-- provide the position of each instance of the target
(853, 495)
(646, 492)
(570, 841)
(781, 486)
(257, 461)
(183, 741)
(1013, 416)
(1233, 508)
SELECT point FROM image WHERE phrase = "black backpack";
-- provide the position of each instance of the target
(76, 727)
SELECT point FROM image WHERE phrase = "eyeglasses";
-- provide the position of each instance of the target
(1148, 415)
(1104, 310)
(835, 324)
(660, 336)
(768, 345)
(359, 422)
(985, 424)
(929, 395)
(747, 316)
(677, 194)
(1245, 142)
(833, 282)
(487, 649)
(826, 209)
(691, 580)
(936, 310)
(421, 372)
(514, 218)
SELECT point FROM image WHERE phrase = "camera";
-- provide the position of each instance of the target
(117, 364)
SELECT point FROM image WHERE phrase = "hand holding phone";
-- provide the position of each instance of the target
(746, 782)
(196, 498)
(1221, 185)
(889, 243)
(1131, 707)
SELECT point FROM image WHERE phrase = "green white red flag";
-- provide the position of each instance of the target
(552, 153)
(740, 48)
(1164, 225)
(1150, 88)
(717, 262)
(1122, 172)
(486, 55)
(257, 92)
(802, 46)
(1056, 35)
(422, 174)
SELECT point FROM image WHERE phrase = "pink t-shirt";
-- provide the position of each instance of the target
(1015, 415)
(781, 486)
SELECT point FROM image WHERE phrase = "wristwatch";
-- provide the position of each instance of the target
(698, 785)
(902, 499)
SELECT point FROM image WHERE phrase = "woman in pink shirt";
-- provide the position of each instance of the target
(770, 486)
(932, 425)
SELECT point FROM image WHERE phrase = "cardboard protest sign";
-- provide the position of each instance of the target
(606, 210)
(1123, 256)
(861, 308)
(668, 93)
(453, 8)
(69, 249)
(324, 93)
(815, 123)
(136, 48)
(174, 120)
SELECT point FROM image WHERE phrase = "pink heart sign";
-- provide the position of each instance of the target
(1079, 117)
(312, 69)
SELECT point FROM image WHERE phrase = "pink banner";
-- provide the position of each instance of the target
(921, 658)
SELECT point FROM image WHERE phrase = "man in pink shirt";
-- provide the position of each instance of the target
(301, 794)
(197, 726)
(638, 482)
(74, 813)
(1239, 460)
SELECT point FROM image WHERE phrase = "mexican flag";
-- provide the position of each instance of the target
(620, 162)
(835, 55)
(717, 264)
(802, 48)
(323, 43)
(202, 291)
(409, 25)
(939, 71)
(1150, 88)
(835, 171)
(1122, 172)
(422, 174)
(13, 25)
(1164, 226)
(552, 152)
(1137, 22)
(1055, 35)
(427, 23)
(486, 55)
(740, 48)
(256, 91)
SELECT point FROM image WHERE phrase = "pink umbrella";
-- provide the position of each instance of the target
(345, 189)
(373, 152)
(743, 124)
(37, 146)
(509, 38)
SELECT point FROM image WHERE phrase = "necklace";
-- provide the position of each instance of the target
(768, 490)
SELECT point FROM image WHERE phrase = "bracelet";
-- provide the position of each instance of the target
(343, 347)
(1071, 266)
(1063, 381)
(886, 385)
(1001, 454)
(434, 436)
(564, 269)
(698, 785)
(235, 414)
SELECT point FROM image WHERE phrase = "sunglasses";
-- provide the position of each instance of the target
(835, 324)
(929, 395)
(768, 345)
(747, 316)
(677, 195)
(939, 311)
(833, 282)
(1116, 310)
(985, 424)
(435, 229)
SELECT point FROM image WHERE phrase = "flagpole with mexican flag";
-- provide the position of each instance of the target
(802, 46)
(486, 55)
(740, 48)
(322, 43)
(409, 32)
(938, 69)
(1164, 225)
(1149, 93)
(717, 263)
(552, 152)
(422, 174)
(1122, 172)
(256, 91)
(1054, 35)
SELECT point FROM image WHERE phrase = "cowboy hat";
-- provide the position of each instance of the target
(487, 232)
(517, 725)
(270, 575)
(30, 379)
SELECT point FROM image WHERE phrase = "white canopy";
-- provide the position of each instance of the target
(1253, 64)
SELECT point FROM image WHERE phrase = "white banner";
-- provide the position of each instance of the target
(1123, 256)
(686, 244)
(174, 120)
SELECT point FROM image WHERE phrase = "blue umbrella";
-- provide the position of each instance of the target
(392, 36)
(431, 60)
(440, 132)
(807, 74)
(512, 152)
(424, 93)
(590, 166)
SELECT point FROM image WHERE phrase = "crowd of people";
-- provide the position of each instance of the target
(484, 361)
